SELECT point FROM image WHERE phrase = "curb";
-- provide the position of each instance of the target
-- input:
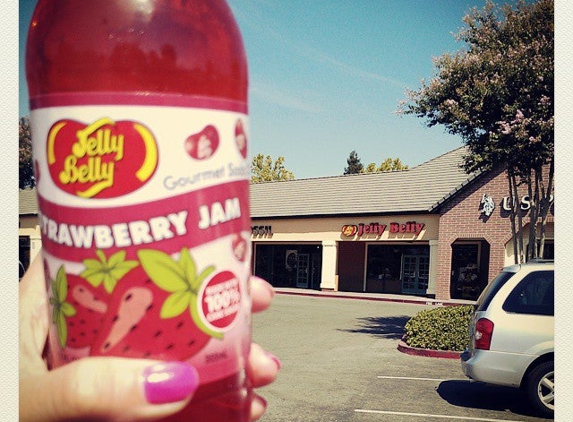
(444, 354)
(375, 297)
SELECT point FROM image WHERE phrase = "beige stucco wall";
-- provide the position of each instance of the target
(328, 232)
(330, 229)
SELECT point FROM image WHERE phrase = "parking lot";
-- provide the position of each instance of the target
(341, 363)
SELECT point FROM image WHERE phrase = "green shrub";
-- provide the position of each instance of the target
(445, 328)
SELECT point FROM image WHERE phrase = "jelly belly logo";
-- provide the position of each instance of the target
(376, 229)
(103, 159)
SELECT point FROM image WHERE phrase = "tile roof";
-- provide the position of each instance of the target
(420, 189)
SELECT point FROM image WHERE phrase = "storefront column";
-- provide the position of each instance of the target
(35, 244)
(329, 260)
(433, 268)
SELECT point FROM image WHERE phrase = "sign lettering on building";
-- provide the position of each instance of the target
(525, 203)
(377, 229)
(261, 231)
(487, 204)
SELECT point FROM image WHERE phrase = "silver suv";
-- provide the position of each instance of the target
(512, 333)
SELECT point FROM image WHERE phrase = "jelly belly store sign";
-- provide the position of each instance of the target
(376, 229)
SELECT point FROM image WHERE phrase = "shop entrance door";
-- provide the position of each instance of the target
(466, 276)
(415, 274)
(302, 270)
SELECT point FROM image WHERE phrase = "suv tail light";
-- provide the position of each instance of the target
(483, 334)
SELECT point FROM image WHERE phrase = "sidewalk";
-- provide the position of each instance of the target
(384, 297)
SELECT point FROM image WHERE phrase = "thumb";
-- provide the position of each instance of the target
(114, 389)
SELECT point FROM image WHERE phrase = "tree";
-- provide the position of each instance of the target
(388, 164)
(498, 94)
(263, 169)
(354, 164)
(26, 178)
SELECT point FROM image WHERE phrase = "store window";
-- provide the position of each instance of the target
(469, 269)
(397, 269)
(289, 265)
(548, 249)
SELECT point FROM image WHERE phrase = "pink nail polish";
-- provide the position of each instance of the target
(169, 382)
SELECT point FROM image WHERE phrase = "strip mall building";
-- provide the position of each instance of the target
(430, 231)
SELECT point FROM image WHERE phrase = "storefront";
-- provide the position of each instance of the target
(430, 231)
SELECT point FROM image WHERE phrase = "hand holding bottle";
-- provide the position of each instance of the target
(112, 388)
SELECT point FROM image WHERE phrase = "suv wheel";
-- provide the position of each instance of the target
(540, 388)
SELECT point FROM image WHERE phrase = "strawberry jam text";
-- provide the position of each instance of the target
(117, 235)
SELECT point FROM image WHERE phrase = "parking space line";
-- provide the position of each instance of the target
(427, 415)
(419, 379)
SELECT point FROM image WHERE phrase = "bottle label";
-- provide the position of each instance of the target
(144, 215)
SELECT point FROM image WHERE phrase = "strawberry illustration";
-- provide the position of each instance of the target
(80, 302)
(90, 304)
(154, 311)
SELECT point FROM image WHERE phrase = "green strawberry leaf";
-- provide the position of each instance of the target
(163, 270)
(68, 309)
(115, 259)
(62, 327)
(181, 280)
(189, 268)
(204, 274)
(60, 308)
(105, 271)
(176, 304)
(61, 291)
(55, 312)
(109, 282)
(93, 273)
(122, 268)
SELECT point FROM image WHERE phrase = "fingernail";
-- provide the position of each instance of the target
(169, 382)
(262, 401)
(274, 359)
(268, 286)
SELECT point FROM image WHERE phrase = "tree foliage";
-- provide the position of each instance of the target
(264, 169)
(388, 164)
(26, 178)
(354, 164)
(498, 94)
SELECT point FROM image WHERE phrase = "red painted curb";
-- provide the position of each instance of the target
(381, 298)
(445, 354)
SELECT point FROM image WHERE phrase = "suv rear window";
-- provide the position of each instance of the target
(491, 290)
(533, 295)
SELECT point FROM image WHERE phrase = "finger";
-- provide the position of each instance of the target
(258, 407)
(33, 318)
(262, 293)
(111, 389)
(263, 366)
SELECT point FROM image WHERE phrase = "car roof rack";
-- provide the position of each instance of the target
(541, 261)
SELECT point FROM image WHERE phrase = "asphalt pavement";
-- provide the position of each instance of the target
(340, 362)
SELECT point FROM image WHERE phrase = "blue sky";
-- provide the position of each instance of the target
(326, 77)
